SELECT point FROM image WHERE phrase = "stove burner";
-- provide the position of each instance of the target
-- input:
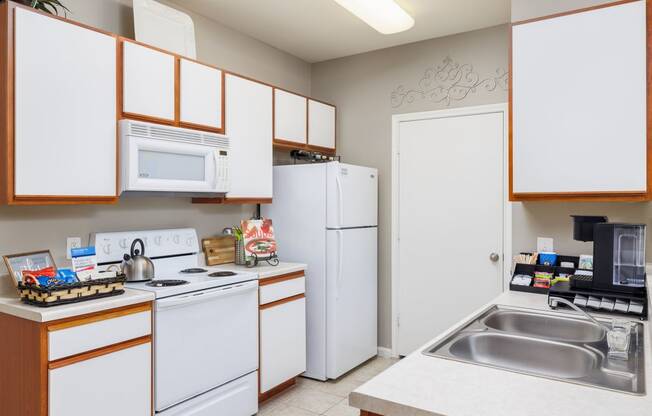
(222, 274)
(166, 283)
(194, 270)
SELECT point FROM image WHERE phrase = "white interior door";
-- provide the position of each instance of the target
(450, 202)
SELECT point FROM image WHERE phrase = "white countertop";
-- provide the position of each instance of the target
(422, 385)
(264, 270)
(10, 304)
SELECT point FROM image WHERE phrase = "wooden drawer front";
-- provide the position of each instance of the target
(87, 337)
(281, 290)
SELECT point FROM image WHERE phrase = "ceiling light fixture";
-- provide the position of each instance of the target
(385, 16)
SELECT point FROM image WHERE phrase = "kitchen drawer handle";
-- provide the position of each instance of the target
(204, 296)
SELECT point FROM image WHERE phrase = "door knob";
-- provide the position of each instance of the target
(494, 257)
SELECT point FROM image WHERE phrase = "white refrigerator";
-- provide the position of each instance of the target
(326, 215)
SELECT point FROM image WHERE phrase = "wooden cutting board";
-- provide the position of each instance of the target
(219, 250)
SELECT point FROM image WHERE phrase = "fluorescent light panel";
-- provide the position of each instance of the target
(385, 16)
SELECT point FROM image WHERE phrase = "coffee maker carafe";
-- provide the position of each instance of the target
(619, 257)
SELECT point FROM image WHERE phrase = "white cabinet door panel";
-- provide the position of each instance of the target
(282, 343)
(200, 94)
(579, 125)
(114, 384)
(249, 127)
(65, 119)
(290, 117)
(321, 124)
(148, 82)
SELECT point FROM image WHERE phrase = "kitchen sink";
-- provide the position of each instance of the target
(533, 324)
(546, 344)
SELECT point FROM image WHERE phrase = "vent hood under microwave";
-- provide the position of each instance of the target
(157, 158)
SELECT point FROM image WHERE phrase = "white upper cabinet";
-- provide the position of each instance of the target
(321, 124)
(65, 109)
(148, 82)
(579, 104)
(249, 127)
(200, 95)
(290, 117)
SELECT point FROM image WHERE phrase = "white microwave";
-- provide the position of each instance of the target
(157, 158)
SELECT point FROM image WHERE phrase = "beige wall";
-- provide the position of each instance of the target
(362, 86)
(34, 228)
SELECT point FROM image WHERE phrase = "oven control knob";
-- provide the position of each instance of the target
(107, 248)
(176, 239)
(157, 240)
(123, 243)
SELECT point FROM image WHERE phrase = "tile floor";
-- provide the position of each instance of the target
(312, 398)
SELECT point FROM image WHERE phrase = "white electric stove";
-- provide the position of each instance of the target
(205, 325)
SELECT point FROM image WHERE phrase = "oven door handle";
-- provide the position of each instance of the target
(206, 295)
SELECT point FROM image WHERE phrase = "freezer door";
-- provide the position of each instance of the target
(352, 196)
(351, 302)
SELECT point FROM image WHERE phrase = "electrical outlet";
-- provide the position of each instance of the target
(72, 242)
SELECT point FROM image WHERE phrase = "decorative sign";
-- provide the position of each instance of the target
(259, 239)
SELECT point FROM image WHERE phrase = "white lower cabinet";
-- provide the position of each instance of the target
(114, 384)
(282, 342)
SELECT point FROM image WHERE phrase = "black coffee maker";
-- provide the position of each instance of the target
(618, 253)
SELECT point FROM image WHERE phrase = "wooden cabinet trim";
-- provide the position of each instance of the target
(281, 278)
(366, 413)
(7, 130)
(221, 130)
(232, 201)
(607, 196)
(282, 301)
(143, 117)
(7, 174)
(262, 397)
(98, 317)
(315, 147)
(64, 362)
(570, 12)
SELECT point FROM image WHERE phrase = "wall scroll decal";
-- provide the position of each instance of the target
(447, 82)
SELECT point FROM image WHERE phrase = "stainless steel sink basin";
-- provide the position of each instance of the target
(537, 325)
(545, 344)
(526, 354)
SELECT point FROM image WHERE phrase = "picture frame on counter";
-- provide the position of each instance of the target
(35, 261)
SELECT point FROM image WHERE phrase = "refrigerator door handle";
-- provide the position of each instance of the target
(340, 261)
(340, 202)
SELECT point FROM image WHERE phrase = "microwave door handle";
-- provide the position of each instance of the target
(204, 296)
(215, 173)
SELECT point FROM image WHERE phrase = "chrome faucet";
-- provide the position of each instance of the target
(553, 300)
(618, 334)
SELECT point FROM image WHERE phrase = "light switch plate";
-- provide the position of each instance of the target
(545, 245)
(72, 242)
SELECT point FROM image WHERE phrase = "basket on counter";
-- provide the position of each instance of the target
(71, 292)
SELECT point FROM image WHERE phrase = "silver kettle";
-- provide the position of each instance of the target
(135, 265)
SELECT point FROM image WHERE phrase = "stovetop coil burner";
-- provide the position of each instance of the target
(194, 270)
(222, 274)
(166, 283)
